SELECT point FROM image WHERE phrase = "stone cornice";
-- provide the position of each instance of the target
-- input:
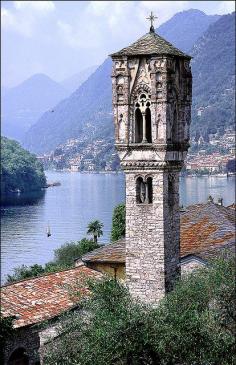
(152, 165)
(172, 147)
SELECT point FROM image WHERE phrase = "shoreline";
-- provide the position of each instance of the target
(121, 172)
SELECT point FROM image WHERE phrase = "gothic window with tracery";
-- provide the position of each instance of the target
(142, 120)
(138, 126)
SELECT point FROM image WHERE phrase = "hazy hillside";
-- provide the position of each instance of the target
(73, 82)
(213, 68)
(184, 28)
(92, 101)
(90, 104)
(22, 105)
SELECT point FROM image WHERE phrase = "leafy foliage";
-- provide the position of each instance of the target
(25, 272)
(194, 324)
(66, 254)
(95, 228)
(20, 169)
(63, 259)
(118, 223)
(6, 331)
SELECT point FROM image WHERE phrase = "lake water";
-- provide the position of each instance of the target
(69, 208)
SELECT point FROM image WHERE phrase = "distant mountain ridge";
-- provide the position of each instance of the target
(184, 28)
(71, 118)
(73, 82)
(213, 68)
(87, 113)
(22, 105)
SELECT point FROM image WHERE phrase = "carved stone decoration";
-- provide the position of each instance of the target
(158, 125)
(122, 129)
(120, 96)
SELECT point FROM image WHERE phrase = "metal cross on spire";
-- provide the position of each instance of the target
(152, 17)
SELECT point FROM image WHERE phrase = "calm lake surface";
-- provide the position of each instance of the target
(69, 208)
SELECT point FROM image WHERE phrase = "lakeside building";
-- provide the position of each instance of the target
(152, 92)
(206, 231)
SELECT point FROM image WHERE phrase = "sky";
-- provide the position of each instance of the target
(62, 38)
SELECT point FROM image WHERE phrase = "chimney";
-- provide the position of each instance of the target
(210, 199)
(220, 201)
(181, 208)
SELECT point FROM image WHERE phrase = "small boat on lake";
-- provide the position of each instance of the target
(48, 231)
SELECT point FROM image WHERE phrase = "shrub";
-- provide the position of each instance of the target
(118, 223)
(63, 259)
(66, 254)
(25, 272)
(194, 324)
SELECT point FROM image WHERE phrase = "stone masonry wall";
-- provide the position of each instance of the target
(27, 338)
(152, 238)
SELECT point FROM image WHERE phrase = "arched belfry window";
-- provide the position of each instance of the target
(142, 120)
(148, 125)
(144, 194)
(149, 185)
(138, 126)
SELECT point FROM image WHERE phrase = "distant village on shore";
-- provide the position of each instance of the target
(215, 156)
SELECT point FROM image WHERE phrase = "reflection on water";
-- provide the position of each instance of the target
(31, 198)
(70, 207)
(195, 190)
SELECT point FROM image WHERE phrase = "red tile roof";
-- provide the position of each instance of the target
(205, 229)
(38, 299)
(113, 252)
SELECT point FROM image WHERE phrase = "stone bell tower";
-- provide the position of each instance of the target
(152, 92)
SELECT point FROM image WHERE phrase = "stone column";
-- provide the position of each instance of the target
(144, 128)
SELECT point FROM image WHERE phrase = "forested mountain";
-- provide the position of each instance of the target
(75, 116)
(22, 105)
(184, 28)
(213, 68)
(73, 82)
(88, 113)
(20, 170)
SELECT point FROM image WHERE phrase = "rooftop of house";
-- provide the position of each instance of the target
(150, 44)
(37, 299)
(205, 231)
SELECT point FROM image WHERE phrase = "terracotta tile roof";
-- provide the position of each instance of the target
(113, 252)
(205, 230)
(44, 297)
(232, 206)
(150, 43)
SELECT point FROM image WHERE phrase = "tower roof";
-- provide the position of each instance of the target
(150, 44)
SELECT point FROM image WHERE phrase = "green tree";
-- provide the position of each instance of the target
(64, 257)
(25, 272)
(194, 324)
(95, 229)
(20, 170)
(6, 332)
(118, 223)
(67, 253)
